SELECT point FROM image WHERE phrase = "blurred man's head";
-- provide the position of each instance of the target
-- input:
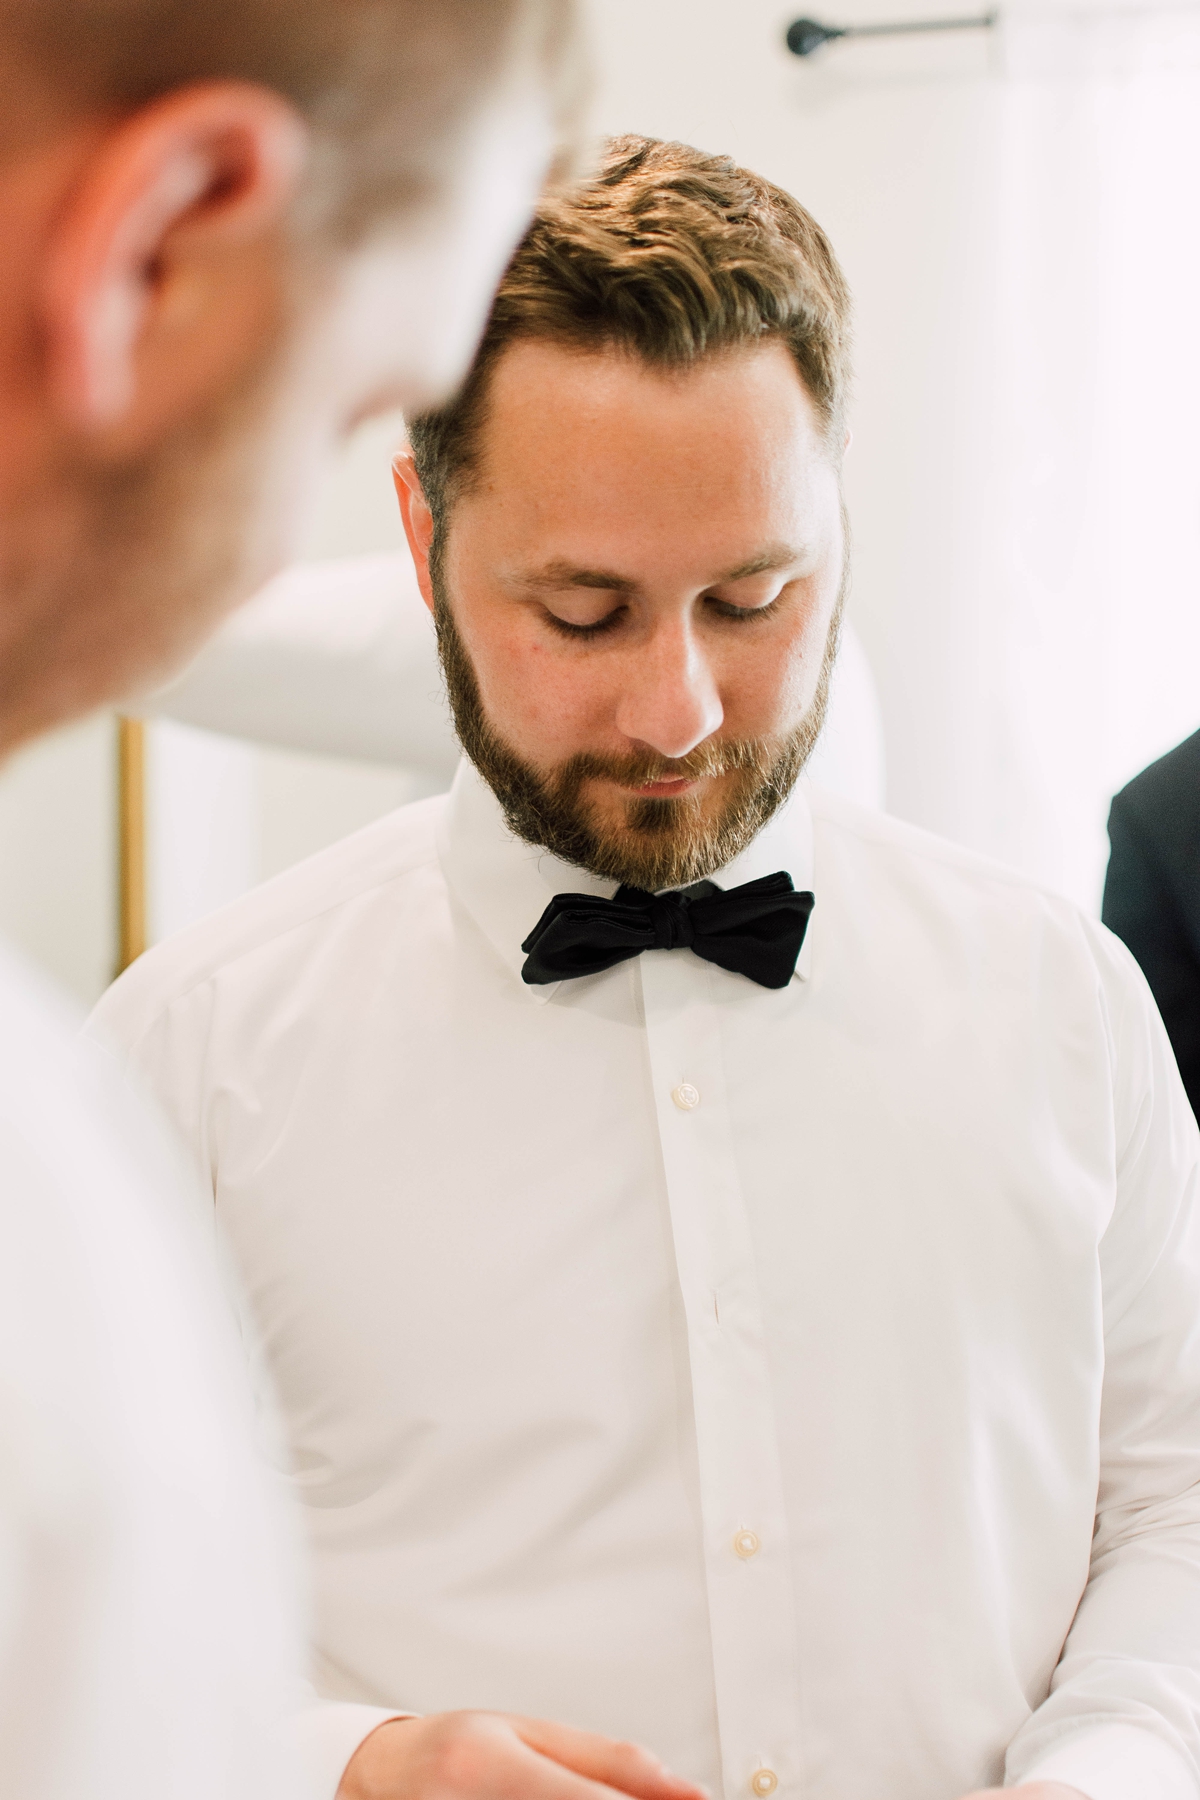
(628, 523)
(231, 229)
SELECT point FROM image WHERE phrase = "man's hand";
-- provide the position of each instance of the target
(1029, 1790)
(493, 1756)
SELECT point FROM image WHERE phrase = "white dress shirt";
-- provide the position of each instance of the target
(805, 1383)
(146, 1639)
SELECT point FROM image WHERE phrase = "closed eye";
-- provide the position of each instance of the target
(725, 609)
(564, 627)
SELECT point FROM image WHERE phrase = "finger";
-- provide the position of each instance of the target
(537, 1776)
(630, 1768)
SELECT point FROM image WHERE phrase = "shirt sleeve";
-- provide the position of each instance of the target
(325, 1735)
(1122, 1720)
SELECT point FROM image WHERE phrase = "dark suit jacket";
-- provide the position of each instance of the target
(1152, 893)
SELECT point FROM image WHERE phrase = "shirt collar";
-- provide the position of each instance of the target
(506, 884)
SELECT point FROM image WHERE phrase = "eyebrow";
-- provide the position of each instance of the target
(767, 562)
(559, 574)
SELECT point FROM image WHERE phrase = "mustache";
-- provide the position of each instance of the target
(713, 757)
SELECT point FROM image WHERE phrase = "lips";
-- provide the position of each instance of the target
(665, 790)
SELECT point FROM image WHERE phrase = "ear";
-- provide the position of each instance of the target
(418, 520)
(145, 301)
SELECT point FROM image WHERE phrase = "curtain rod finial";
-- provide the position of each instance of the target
(806, 35)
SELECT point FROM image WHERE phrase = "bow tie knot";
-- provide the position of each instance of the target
(671, 922)
(756, 930)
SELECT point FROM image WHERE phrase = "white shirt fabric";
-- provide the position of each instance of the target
(837, 1434)
(339, 657)
(146, 1629)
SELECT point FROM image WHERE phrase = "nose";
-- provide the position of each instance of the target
(670, 699)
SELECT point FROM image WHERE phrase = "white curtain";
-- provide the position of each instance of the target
(1019, 215)
(1089, 566)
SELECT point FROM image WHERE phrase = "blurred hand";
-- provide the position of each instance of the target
(492, 1756)
(1029, 1790)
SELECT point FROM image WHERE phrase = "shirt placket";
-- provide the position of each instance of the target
(750, 1593)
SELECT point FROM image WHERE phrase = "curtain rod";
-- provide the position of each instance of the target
(806, 35)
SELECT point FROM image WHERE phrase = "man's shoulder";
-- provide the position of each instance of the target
(70, 1134)
(909, 854)
(37, 1032)
(1167, 793)
(379, 857)
(951, 894)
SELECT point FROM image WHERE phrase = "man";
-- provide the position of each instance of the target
(207, 210)
(775, 1344)
(1152, 893)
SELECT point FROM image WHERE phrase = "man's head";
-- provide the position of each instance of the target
(628, 522)
(231, 229)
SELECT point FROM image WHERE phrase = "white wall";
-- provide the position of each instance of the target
(1021, 238)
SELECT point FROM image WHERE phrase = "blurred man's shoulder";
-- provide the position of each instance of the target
(78, 1154)
(37, 1052)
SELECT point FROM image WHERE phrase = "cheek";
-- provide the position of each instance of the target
(541, 702)
(770, 687)
(803, 659)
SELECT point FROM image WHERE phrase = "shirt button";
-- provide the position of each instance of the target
(764, 1781)
(685, 1096)
(746, 1543)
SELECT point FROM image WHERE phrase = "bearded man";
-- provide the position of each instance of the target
(729, 1260)
(230, 228)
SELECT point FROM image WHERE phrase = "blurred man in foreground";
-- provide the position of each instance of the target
(730, 1261)
(229, 230)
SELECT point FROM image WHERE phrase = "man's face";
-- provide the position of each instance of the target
(639, 596)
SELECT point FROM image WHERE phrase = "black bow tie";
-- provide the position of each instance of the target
(754, 930)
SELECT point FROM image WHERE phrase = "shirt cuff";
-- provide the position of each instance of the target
(327, 1734)
(1115, 1762)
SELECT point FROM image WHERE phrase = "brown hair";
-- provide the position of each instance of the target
(385, 85)
(666, 253)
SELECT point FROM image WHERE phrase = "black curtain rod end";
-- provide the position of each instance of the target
(805, 35)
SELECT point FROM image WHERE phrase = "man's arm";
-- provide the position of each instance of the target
(1122, 1720)
(334, 657)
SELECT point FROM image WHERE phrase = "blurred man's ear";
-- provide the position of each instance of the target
(418, 520)
(165, 269)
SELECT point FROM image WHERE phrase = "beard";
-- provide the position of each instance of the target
(658, 844)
